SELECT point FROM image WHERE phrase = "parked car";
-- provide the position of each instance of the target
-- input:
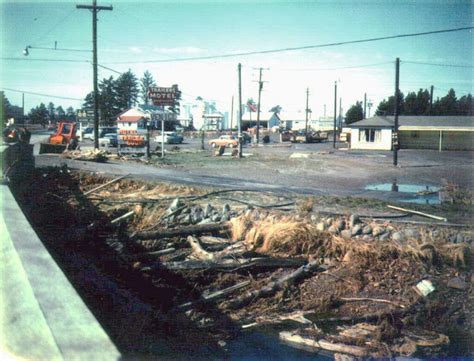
(170, 138)
(224, 140)
(108, 140)
(107, 130)
(88, 133)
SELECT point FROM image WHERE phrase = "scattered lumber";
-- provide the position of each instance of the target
(182, 231)
(273, 286)
(198, 251)
(418, 213)
(161, 252)
(214, 296)
(316, 345)
(364, 299)
(298, 316)
(231, 264)
(123, 217)
(106, 184)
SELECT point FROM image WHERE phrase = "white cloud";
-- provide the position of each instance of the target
(183, 50)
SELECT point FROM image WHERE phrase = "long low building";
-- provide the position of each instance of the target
(414, 132)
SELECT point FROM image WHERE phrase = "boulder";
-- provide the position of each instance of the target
(412, 233)
(176, 204)
(346, 234)
(377, 231)
(329, 221)
(384, 236)
(398, 236)
(356, 230)
(333, 230)
(367, 229)
(458, 283)
(353, 220)
(321, 226)
(208, 210)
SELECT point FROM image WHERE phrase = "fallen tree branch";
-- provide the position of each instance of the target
(123, 217)
(161, 252)
(316, 345)
(182, 231)
(363, 299)
(273, 286)
(260, 262)
(418, 213)
(214, 296)
(198, 251)
(298, 316)
(105, 184)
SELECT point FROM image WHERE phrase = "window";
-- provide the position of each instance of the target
(370, 135)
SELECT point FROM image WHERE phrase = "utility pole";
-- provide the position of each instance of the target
(339, 121)
(431, 99)
(396, 110)
(365, 104)
(335, 115)
(307, 112)
(239, 67)
(23, 107)
(231, 114)
(95, 9)
(260, 87)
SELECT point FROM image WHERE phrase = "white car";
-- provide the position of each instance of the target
(108, 140)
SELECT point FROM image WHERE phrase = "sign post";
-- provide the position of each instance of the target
(164, 96)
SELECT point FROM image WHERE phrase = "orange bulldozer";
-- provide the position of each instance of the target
(65, 138)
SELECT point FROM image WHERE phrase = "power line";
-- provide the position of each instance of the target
(51, 60)
(341, 67)
(438, 64)
(41, 94)
(44, 35)
(294, 48)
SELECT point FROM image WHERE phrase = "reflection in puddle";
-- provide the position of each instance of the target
(414, 193)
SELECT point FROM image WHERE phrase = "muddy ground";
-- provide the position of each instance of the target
(357, 267)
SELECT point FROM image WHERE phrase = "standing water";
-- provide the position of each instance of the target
(410, 193)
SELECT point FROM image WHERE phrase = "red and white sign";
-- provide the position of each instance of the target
(164, 96)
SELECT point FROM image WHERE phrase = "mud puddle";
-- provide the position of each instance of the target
(410, 193)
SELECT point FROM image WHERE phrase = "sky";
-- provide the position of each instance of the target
(141, 35)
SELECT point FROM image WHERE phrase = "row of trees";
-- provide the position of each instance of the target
(117, 95)
(417, 104)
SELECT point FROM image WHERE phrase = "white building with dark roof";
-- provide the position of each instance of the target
(414, 132)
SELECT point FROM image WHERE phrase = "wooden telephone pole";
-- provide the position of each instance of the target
(240, 110)
(95, 9)
(307, 113)
(335, 115)
(395, 112)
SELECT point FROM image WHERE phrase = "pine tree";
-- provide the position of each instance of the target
(126, 88)
(355, 113)
(145, 83)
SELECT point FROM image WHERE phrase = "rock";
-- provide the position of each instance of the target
(346, 234)
(435, 233)
(208, 211)
(329, 221)
(333, 230)
(197, 215)
(225, 217)
(459, 238)
(384, 236)
(206, 221)
(353, 220)
(221, 343)
(226, 208)
(398, 236)
(187, 219)
(367, 229)
(340, 224)
(377, 231)
(367, 238)
(216, 217)
(458, 283)
(357, 229)
(412, 233)
(321, 226)
(175, 205)
(468, 239)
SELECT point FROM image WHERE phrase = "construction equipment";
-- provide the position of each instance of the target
(310, 137)
(65, 138)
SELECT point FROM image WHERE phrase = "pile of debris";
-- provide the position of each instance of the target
(230, 260)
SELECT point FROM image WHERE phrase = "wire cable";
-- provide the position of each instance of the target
(338, 68)
(437, 64)
(44, 35)
(41, 94)
(270, 51)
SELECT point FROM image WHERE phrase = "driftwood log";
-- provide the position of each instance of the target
(273, 286)
(231, 264)
(317, 345)
(200, 253)
(182, 231)
(212, 297)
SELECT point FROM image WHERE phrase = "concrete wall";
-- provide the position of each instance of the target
(450, 140)
(382, 143)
